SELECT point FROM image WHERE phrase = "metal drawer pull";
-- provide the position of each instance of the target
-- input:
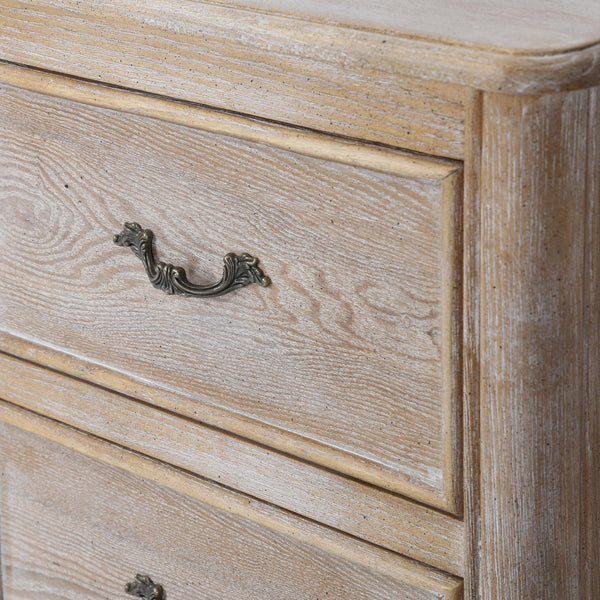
(239, 270)
(145, 588)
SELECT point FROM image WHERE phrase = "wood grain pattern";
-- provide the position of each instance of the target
(246, 68)
(317, 145)
(471, 333)
(536, 447)
(74, 526)
(391, 87)
(354, 346)
(517, 26)
(590, 525)
(322, 495)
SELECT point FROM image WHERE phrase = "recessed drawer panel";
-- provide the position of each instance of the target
(350, 357)
(75, 527)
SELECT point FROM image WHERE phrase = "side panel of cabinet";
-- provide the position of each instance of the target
(539, 346)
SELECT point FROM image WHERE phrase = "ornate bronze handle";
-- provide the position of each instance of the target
(239, 270)
(145, 588)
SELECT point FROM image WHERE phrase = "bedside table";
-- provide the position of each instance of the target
(375, 369)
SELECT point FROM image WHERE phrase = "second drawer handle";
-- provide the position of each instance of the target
(143, 587)
(239, 270)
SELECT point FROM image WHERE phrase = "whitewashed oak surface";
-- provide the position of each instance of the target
(72, 526)
(514, 26)
(531, 325)
(471, 349)
(540, 327)
(196, 55)
(323, 495)
(383, 86)
(355, 345)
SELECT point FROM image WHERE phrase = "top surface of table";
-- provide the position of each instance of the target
(512, 26)
(508, 46)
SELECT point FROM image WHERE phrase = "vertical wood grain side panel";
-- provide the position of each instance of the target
(590, 569)
(533, 232)
(471, 435)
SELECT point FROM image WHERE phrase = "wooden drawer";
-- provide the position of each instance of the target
(349, 359)
(375, 515)
(72, 526)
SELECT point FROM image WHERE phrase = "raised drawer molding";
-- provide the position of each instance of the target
(407, 407)
(92, 544)
(351, 349)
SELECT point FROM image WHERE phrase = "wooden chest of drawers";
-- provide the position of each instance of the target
(407, 407)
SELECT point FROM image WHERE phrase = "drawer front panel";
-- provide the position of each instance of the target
(74, 527)
(350, 358)
(322, 495)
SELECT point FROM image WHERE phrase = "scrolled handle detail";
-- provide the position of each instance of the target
(239, 270)
(143, 587)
